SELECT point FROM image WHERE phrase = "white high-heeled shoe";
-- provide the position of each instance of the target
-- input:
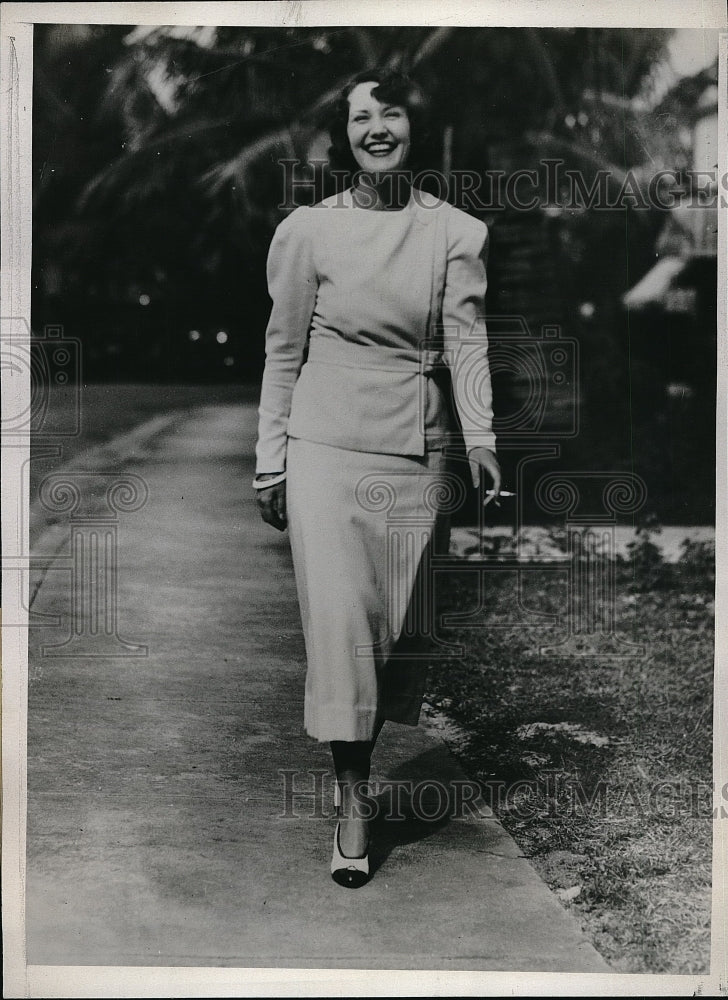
(349, 872)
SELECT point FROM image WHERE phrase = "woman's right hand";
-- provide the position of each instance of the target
(272, 504)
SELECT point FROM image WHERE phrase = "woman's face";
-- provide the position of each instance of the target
(379, 134)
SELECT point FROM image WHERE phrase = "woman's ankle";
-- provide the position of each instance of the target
(353, 836)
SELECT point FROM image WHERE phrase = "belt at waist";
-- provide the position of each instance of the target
(345, 354)
(369, 398)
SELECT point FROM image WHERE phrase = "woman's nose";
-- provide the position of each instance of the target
(378, 126)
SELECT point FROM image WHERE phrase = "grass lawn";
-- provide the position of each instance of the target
(601, 769)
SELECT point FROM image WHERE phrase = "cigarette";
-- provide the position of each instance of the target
(503, 493)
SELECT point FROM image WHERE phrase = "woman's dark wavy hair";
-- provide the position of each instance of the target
(392, 88)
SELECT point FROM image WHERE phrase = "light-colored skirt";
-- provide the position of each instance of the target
(363, 529)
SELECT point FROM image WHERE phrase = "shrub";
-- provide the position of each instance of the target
(646, 567)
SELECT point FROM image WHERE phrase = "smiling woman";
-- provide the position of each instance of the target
(379, 133)
(381, 105)
(372, 291)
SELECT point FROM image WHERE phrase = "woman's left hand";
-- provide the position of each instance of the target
(483, 458)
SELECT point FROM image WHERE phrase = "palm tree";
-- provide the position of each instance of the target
(175, 165)
(251, 96)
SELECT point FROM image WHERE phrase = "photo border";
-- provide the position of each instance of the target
(16, 54)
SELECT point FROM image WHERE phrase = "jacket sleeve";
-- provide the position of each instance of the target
(292, 284)
(465, 338)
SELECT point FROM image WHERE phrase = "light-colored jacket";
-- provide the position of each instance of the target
(367, 312)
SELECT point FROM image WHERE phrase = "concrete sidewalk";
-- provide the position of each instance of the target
(157, 826)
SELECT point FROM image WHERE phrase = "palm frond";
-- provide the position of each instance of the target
(235, 170)
(368, 48)
(286, 139)
(434, 41)
(608, 99)
(547, 68)
(578, 154)
(130, 167)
